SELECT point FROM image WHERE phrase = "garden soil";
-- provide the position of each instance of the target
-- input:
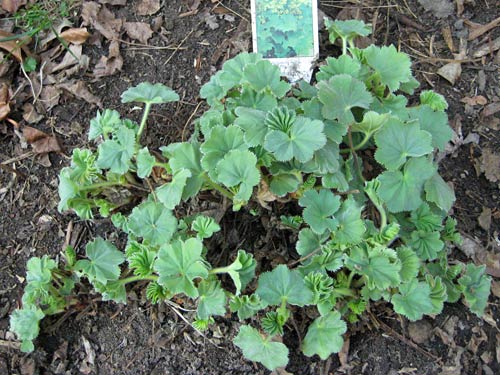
(189, 42)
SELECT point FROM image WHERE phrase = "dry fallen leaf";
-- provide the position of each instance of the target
(75, 35)
(101, 19)
(50, 97)
(11, 46)
(12, 5)
(4, 101)
(490, 165)
(148, 7)
(140, 31)
(80, 90)
(72, 57)
(475, 100)
(30, 115)
(111, 64)
(491, 109)
(264, 195)
(451, 72)
(485, 219)
(487, 48)
(41, 142)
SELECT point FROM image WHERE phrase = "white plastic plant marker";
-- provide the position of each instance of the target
(286, 33)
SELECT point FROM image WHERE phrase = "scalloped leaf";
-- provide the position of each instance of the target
(115, 154)
(146, 92)
(392, 66)
(324, 336)
(153, 222)
(319, 207)
(413, 300)
(265, 76)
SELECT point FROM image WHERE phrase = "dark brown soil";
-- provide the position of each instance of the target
(140, 338)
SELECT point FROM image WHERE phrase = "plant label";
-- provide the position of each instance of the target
(286, 33)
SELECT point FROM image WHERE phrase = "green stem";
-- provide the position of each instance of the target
(144, 119)
(349, 279)
(218, 270)
(100, 185)
(359, 145)
(132, 279)
(344, 46)
(219, 188)
(344, 292)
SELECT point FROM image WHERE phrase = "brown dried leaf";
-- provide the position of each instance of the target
(487, 48)
(80, 90)
(109, 65)
(140, 31)
(50, 97)
(485, 219)
(475, 100)
(451, 72)
(490, 165)
(481, 29)
(12, 5)
(46, 145)
(264, 195)
(446, 31)
(32, 135)
(4, 101)
(30, 115)
(148, 7)
(11, 46)
(5, 65)
(491, 109)
(101, 19)
(75, 35)
(72, 57)
(495, 289)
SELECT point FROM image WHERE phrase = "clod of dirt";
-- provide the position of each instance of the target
(490, 165)
(420, 332)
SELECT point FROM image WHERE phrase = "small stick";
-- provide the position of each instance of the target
(178, 47)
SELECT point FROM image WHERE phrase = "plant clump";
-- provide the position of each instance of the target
(365, 233)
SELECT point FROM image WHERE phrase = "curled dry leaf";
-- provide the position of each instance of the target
(101, 19)
(450, 72)
(75, 35)
(12, 6)
(475, 100)
(50, 97)
(140, 31)
(490, 165)
(148, 7)
(13, 47)
(4, 101)
(41, 142)
(111, 64)
(72, 57)
(491, 109)
(264, 195)
(80, 90)
(30, 115)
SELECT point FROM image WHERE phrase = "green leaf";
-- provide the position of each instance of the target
(282, 284)
(146, 92)
(396, 141)
(170, 194)
(265, 76)
(434, 122)
(393, 104)
(246, 306)
(178, 264)
(402, 191)
(145, 163)
(252, 121)
(434, 100)
(328, 260)
(309, 241)
(153, 222)
(392, 66)
(232, 70)
(325, 160)
(25, 324)
(218, 144)
(380, 266)
(103, 261)
(324, 336)
(303, 137)
(115, 154)
(346, 29)
(340, 94)
(212, 299)
(284, 183)
(424, 219)
(242, 270)
(29, 64)
(257, 348)
(372, 122)
(351, 227)
(186, 156)
(427, 245)
(438, 293)
(319, 206)
(410, 263)
(39, 271)
(342, 65)
(141, 262)
(239, 168)
(205, 226)
(104, 123)
(413, 300)
(476, 288)
(83, 168)
(113, 291)
(439, 192)
(263, 101)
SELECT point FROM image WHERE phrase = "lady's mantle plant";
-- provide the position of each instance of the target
(348, 150)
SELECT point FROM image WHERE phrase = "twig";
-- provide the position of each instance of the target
(304, 257)
(189, 120)
(178, 47)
